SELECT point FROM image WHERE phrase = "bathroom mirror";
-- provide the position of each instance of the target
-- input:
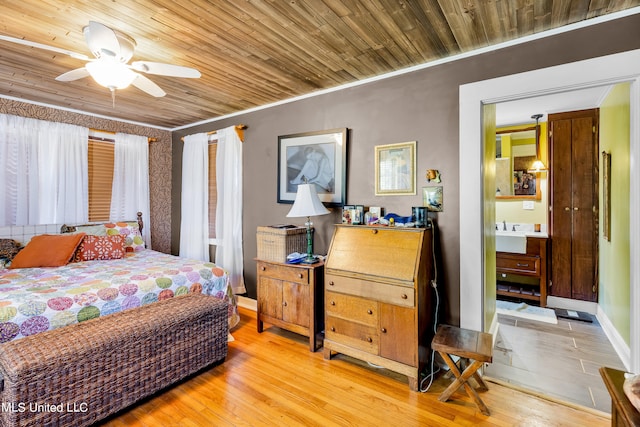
(515, 153)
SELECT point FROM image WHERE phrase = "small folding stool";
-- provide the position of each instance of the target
(473, 348)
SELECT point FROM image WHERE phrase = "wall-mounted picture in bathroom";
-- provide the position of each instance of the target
(432, 198)
(524, 182)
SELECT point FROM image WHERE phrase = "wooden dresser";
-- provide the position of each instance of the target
(290, 297)
(524, 276)
(378, 297)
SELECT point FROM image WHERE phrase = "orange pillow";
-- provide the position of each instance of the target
(47, 250)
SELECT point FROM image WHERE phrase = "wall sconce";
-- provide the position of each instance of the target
(538, 165)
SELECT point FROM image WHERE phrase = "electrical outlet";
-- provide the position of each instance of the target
(527, 204)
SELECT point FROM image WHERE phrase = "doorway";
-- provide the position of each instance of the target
(623, 67)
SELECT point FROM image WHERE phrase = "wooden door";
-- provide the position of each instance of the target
(574, 202)
(398, 334)
(295, 303)
(270, 297)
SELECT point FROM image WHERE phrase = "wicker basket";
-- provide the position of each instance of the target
(95, 368)
(274, 244)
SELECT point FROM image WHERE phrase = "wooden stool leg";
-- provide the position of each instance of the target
(461, 380)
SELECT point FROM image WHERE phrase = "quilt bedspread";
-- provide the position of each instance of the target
(33, 300)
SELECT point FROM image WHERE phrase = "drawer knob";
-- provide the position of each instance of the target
(404, 296)
(374, 231)
(383, 330)
(331, 283)
(369, 311)
(263, 268)
(369, 339)
(333, 303)
(333, 329)
(300, 275)
(284, 303)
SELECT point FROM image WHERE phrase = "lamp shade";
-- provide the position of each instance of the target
(307, 202)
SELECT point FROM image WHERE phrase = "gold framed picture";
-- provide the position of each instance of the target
(395, 166)
(606, 195)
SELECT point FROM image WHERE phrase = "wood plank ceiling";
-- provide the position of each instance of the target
(256, 52)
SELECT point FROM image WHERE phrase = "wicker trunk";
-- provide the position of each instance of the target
(80, 374)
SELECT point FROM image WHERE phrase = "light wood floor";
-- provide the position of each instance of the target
(272, 379)
(560, 361)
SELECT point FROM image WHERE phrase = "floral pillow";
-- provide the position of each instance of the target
(100, 248)
(133, 239)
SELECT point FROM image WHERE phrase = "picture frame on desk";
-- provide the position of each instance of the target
(347, 214)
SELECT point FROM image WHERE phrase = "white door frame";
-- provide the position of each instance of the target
(606, 70)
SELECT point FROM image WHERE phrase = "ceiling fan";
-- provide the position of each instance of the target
(113, 50)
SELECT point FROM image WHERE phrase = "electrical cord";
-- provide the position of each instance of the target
(434, 284)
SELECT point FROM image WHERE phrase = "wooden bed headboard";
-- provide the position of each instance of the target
(72, 228)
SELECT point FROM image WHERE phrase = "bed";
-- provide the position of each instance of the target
(89, 333)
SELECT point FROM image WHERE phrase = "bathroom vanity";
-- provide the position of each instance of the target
(523, 274)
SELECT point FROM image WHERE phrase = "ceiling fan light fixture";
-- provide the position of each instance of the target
(110, 73)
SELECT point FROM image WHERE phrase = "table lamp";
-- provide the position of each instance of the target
(307, 204)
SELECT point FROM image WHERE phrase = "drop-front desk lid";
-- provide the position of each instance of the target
(383, 252)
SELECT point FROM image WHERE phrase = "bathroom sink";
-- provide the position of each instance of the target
(511, 241)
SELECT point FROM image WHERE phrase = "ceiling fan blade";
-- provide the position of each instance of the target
(102, 40)
(44, 46)
(146, 85)
(165, 69)
(72, 75)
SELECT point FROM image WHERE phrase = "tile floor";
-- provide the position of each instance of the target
(560, 361)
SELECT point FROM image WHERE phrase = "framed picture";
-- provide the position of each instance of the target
(316, 158)
(347, 214)
(377, 212)
(433, 198)
(606, 195)
(359, 217)
(395, 169)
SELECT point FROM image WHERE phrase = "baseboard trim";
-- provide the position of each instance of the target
(247, 303)
(621, 347)
(572, 304)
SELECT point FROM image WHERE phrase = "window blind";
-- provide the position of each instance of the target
(101, 154)
(213, 190)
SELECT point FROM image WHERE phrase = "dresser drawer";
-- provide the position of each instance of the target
(355, 335)
(392, 294)
(352, 308)
(520, 264)
(283, 272)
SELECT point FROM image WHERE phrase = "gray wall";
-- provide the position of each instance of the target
(420, 106)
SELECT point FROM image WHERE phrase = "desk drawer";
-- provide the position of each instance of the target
(352, 308)
(521, 264)
(355, 335)
(283, 272)
(392, 294)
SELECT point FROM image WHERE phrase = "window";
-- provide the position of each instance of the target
(213, 190)
(101, 154)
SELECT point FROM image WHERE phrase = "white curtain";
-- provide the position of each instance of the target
(43, 172)
(194, 223)
(229, 207)
(130, 187)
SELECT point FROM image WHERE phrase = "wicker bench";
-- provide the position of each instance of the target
(80, 374)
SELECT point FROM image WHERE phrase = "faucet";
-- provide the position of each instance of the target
(504, 225)
(514, 227)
